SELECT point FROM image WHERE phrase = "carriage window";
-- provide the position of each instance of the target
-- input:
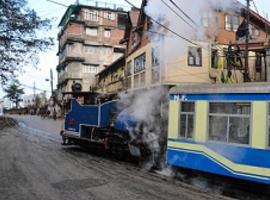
(229, 122)
(187, 119)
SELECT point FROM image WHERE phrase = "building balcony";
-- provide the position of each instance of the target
(71, 37)
(70, 76)
(115, 86)
(71, 58)
(73, 75)
(111, 87)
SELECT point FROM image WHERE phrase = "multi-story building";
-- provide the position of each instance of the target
(144, 58)
(88, 43)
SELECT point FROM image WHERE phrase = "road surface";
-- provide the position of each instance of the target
(33, 165)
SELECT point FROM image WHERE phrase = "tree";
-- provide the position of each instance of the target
(14, 92)
(20, 37)
(37, 103)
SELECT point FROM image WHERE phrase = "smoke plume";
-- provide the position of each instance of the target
(194, 20)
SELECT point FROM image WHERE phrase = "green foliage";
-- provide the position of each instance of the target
(14, 92)
(22, 37)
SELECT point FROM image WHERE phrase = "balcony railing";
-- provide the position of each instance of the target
(71, 36)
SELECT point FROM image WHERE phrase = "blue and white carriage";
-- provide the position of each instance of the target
(221, 129)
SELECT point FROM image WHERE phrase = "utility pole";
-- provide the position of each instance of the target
(246, 74)
(34, 89)
(51, 80)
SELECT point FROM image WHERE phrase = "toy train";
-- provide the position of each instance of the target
(98, 121)
(219, 129)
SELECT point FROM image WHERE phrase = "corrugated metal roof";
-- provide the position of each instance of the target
(221, 88)
(70, 10)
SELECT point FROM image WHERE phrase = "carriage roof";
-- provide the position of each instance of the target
(221, 88)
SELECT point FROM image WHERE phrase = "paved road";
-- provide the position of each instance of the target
(33, 165)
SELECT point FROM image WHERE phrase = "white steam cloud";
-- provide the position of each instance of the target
(146, 106)
(199, 23)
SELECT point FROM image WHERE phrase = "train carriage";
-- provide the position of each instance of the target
(221, 129)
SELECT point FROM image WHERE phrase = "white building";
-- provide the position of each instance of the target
(28, 100)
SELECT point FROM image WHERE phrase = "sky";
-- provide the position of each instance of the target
(48, 60)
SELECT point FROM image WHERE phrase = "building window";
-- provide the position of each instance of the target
(214, 58)
(139, 80)
(134, 39)
(90, 69)
(139, 63)
(194, 56)
(155, 65)
(254, 32)
(187, 119)
(155, 74)
(114, 76)
(232, 22)
(107, 33)
(129, 82)
(91, 15)
(109, 15)
(129, 68)
(229, 122)
(122, 20)
(155, 57)
(206, 19)
(107, 50)
(89, 49)
(91, 31)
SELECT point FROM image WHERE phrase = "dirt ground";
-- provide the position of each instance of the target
(33, 165)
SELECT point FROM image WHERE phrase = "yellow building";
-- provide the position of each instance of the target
(198, 61)
(111, 79)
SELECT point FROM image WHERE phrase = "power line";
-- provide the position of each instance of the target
(33, 87)
(131, 4)
(168, 29)
(178, 15)
(183, 12)
(172, 31)
(254, 4)
(57, 3)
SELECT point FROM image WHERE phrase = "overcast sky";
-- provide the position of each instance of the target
(49, 60)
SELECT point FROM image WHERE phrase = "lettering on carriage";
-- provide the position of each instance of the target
(229, 122)
(187, 112)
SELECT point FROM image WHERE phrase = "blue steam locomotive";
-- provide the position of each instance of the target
(99, 121)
